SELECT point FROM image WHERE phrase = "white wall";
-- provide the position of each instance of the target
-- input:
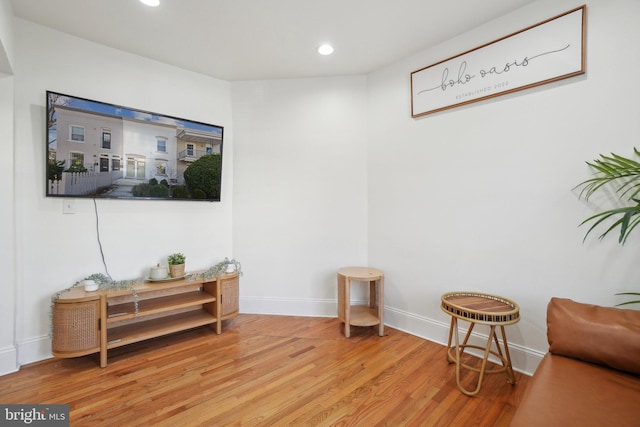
(299, 190)
(480, 197)
(330, 172)
(6, 37)
(54, 250)
(474, 198)
(8, 351)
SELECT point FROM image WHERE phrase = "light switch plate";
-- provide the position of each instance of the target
(68, 206)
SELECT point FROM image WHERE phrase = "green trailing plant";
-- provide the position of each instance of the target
(219, 269)
(105, 283)
(623, 174)
(176, 259)
(99, 278)
(223, 265)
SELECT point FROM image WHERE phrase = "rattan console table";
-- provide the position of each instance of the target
(95, 322)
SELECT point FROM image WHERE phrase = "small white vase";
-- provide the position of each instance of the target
(230, 268)
(90, 285)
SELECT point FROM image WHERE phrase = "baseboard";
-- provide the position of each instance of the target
(289, 306)
(34, 350)
(8, 360)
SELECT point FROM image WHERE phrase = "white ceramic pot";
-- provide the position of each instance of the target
(158, 272)
(230, 268)
(90, 285)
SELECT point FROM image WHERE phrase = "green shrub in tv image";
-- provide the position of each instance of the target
(203, 177)
(202, 180)
(151, 189)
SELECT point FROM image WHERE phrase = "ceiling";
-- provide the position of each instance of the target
(267, 39)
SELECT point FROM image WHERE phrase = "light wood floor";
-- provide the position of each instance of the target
(267, 371)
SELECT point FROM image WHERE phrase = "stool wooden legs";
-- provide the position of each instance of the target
(509, 369)
(456, 358)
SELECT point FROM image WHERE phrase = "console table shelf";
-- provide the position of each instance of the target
(162, 308)
(134, 332)
(119, 312)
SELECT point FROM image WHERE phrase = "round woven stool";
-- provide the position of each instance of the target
(485, 309)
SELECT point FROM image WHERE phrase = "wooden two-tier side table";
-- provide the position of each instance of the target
(485, 309)
(361, 315)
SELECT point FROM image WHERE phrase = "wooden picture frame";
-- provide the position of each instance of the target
(542, 53)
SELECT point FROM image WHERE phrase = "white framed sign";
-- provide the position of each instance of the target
(546, 52)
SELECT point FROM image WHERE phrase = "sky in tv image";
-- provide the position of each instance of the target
(118, 111)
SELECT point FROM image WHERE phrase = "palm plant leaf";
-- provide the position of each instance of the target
(624, 174)
(609, 169)
(629, 302)
(628, 220)
(632, 224)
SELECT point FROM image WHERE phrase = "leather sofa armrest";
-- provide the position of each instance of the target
(604, 335)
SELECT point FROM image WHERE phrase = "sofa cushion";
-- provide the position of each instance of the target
(604, 335)
(568, 392)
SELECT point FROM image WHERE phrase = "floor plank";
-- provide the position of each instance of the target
(268, 371)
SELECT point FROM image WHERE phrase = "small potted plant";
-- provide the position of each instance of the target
(90, 285)
(232, 265)
(227, 266)
(176, 264)
(93, 282)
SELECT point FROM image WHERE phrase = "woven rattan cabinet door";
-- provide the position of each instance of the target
(76, 328)
(230, 296)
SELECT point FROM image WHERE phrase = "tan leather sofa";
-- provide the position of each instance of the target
(591, 374)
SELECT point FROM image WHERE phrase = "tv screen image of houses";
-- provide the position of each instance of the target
(101, 150)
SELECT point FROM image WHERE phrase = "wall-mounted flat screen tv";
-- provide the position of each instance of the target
(100, 150)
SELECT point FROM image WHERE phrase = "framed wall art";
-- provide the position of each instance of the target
(542, 53)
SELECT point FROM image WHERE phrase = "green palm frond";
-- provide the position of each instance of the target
(624, 174)
(627, 222)
(629, 302)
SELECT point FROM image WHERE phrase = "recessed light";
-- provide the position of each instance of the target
(325, 49)
(152, 3)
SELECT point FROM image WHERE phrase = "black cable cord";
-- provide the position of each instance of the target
(95, 206)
